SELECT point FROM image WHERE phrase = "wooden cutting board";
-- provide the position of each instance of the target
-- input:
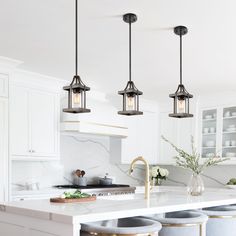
(73, 200)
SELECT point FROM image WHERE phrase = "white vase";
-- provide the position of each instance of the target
(195, 185)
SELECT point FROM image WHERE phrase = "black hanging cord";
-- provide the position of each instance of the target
(180, 69)
(130, 51)
(76, 37)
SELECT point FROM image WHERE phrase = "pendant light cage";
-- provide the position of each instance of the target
(77, 89)
(76, 96)
(181, 103)
(181, 96)
(130, 100)
(130, 93)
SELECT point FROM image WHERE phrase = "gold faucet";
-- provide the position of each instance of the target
(147, 181)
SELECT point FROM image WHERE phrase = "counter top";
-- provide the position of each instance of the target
(166, 200)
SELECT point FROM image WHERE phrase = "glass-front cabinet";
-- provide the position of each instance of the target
(229, 133)
(218, 133)
(209, 131)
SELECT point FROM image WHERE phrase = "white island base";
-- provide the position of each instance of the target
(42, 218)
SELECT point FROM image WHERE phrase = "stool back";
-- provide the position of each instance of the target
(222, 221)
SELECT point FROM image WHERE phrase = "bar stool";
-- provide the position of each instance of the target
(183, 223)
(222, 221)
(125, 226)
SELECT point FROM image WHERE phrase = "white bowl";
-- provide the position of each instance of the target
(227, 143)
(210, 143)
(231, 186)
(208, 117)
(210, 154)
(231, 129)
(205, 130)
(230, 154)
(227, 114)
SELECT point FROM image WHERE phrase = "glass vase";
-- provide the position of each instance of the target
(156, 182)
(195, 185)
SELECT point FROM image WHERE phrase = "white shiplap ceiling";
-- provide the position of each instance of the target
(41, 33)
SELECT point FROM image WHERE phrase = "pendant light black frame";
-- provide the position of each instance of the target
(181, 93)
(130, 90)
(77, 86)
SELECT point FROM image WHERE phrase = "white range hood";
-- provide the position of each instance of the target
(94, 128)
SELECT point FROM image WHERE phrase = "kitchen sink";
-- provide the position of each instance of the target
(122, 197)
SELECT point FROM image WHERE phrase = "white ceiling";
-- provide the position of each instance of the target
(41, 33)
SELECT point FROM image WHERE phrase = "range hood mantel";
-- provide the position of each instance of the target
(94, 128)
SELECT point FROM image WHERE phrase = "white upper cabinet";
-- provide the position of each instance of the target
(34, 123)
(168, 128)
(43, 123)
(19, 121)
(3, 85)
(142, 137)
(3, 149)
(177, 131)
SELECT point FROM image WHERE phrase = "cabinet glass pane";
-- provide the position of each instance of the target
(229, 132)
(209, 129)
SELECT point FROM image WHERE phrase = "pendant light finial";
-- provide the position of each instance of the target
(77, 89)
(181, 96)
(130, 93)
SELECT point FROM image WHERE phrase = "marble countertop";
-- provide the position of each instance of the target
(166, 199)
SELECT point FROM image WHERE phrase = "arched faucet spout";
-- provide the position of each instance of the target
(147, 180)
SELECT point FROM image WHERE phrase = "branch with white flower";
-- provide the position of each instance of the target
(192, 161)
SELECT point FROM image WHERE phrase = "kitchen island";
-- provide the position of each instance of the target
(42, 218)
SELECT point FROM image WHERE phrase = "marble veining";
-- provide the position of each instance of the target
(93, 155)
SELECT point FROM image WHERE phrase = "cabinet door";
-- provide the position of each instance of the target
(43, 123)
(147, 136)
(3, 149)
(3, 85)
(19, 121)
(177, 131)
(184, 133)
(142, 138)
(129, 145)
(168, 128)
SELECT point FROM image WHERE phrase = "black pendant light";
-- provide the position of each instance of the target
(77, 89)
(130, 93)
(181, 96)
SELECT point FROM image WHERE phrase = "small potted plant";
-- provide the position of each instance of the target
(192, 162)
(159, 174)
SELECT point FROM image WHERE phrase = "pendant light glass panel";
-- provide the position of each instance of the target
(77, 89)
(130, 100)
(181, 103)
(130, 93)
(76, 96)
(181, 96)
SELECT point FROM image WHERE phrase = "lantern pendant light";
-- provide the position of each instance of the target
(130, 93)
(77, 89)
(181, 96)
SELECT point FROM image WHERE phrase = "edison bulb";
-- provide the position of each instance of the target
(130, 103)
(181, 106)
(76, 100)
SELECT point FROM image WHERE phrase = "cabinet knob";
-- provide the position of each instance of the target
(32, 151)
